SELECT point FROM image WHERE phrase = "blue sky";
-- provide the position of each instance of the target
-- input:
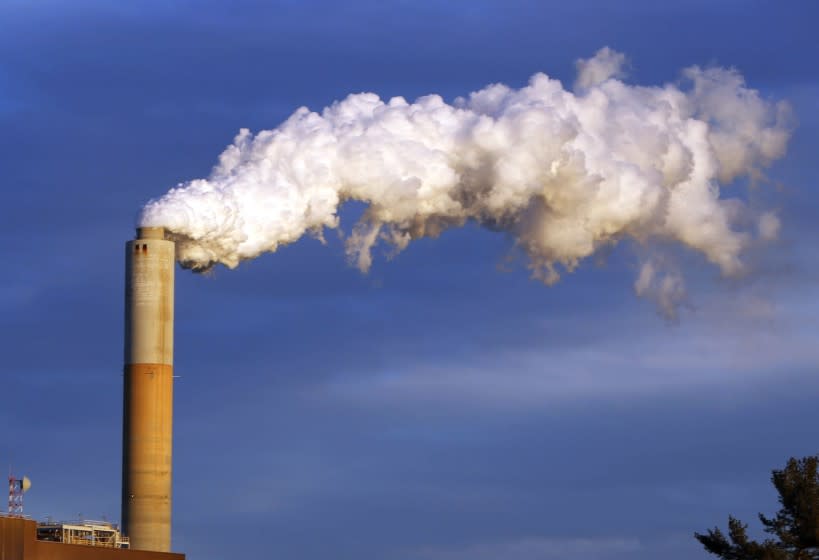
(444, 406)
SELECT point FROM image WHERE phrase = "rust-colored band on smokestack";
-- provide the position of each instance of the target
(148, 392)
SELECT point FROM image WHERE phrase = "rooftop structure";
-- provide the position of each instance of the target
(89, 533)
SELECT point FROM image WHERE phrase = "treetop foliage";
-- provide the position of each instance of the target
(794, 529)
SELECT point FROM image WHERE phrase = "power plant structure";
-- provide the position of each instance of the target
(147, 421)
(147, 431)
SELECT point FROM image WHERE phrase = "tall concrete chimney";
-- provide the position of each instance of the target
(148, 391)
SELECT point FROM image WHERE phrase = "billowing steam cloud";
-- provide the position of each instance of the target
(563, 172)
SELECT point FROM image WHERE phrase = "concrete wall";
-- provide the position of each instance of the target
(18, 541)
(147, 431)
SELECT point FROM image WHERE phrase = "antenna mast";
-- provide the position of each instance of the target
(17, 487)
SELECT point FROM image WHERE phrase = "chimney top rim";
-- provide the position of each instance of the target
(150, 233)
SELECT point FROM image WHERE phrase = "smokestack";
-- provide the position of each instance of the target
(148, 390)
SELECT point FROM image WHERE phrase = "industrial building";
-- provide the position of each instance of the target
(147, 430)
(18, 541)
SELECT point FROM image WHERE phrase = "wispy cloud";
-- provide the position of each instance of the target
(534, 548)
(736, 342)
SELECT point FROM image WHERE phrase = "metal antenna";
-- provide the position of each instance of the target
(17, 487)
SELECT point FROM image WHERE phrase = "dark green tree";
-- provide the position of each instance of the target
(794, 529)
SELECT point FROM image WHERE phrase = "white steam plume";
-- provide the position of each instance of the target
(564, 173)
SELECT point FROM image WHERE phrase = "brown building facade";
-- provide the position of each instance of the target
(18, 541)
